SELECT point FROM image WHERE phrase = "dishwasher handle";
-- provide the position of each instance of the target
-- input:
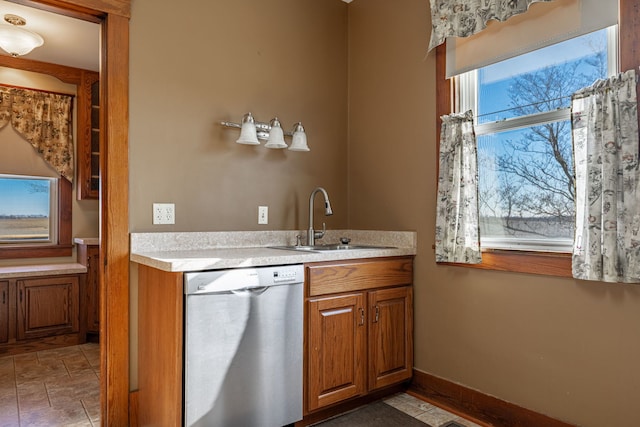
(250, 291)
(209, 290)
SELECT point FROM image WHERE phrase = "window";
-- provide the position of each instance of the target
(35, 216)
(28, 212)
(522, 112)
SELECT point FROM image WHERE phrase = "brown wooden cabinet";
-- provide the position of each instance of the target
(89, 256)
(39, 312)
(349, 351)
(4, 311)
(337, 340)
(359, 328)
(88, 163)
(47, 306)
(390, 336)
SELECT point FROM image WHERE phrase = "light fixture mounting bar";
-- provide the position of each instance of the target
(260, 127)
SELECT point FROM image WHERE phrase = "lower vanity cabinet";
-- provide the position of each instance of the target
(47, 307)
(39, 312)
(390, 336)
(89, 256)
(337, 339)
(359, 328)
(4, 311)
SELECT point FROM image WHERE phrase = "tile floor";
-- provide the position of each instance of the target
(425, 411)
(61, 387)
(58, 387)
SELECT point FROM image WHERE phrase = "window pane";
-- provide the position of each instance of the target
(526, 183)
(25, 209)
(542, 80)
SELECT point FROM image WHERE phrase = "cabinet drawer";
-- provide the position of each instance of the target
(356, 275)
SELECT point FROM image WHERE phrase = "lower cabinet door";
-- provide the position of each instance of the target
(390, 336)
(4, 312)
(337, 349)
(93, 290)
(47, 307)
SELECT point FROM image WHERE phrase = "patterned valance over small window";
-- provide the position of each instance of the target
(45, 120)
(462, 18)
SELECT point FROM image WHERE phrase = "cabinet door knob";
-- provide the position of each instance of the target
(361, 316)
(377, 314)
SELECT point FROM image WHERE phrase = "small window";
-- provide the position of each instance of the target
(28, 210)
(523, 129)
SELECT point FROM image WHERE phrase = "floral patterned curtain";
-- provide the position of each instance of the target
(5, 106)
(45, 120)
(462, 18)
(605, 137)
(457, 225)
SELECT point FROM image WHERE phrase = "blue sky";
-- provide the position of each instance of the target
(495, 80)
(16, 198)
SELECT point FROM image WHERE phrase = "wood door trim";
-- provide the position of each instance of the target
(89, 10)
(114, 195)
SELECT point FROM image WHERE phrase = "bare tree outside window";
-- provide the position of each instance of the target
(526, 172)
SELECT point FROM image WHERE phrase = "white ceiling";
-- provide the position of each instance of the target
(67, 41)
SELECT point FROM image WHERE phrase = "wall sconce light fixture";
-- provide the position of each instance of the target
(251, 131)
(15, 40)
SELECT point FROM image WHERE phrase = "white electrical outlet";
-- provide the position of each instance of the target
(164, 213)
(263, 214)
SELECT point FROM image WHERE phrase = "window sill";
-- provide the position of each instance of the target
(39, 270)
(545, 263)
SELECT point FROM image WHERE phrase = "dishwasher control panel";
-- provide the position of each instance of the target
(286, 276)
(242, 278)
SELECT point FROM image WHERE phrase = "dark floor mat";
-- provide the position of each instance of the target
(377, 414)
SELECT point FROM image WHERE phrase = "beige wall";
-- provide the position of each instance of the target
(17, 156)
(206, 61)
(560, 347)
(565, 348)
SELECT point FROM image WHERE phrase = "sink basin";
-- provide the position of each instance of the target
(328, 248)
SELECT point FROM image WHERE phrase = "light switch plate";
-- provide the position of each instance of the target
(263, 214)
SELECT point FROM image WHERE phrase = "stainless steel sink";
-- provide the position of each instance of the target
(328, 248)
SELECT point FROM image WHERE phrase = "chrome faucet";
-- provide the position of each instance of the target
(312, 235)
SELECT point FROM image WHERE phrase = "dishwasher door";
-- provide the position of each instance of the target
(243, 350)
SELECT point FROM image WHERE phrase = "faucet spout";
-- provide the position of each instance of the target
(312, 235)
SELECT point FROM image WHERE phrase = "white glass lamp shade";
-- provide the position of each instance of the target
(299, 141)
(248, 131)
(276, 135)
(17, 41)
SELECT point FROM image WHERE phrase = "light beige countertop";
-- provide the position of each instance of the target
(8, 272)
(197, 251)
(89, 241)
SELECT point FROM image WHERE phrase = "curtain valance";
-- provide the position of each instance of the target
(462, 18)
(45, 120)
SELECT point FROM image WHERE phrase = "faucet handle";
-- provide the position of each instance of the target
(345, 240)
(298, 240)
(320, 234)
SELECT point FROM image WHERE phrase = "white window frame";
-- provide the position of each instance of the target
(465, 95)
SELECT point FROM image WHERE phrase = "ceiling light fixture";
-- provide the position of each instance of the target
(15, 40)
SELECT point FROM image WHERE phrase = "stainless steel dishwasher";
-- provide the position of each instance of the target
(243, 347)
